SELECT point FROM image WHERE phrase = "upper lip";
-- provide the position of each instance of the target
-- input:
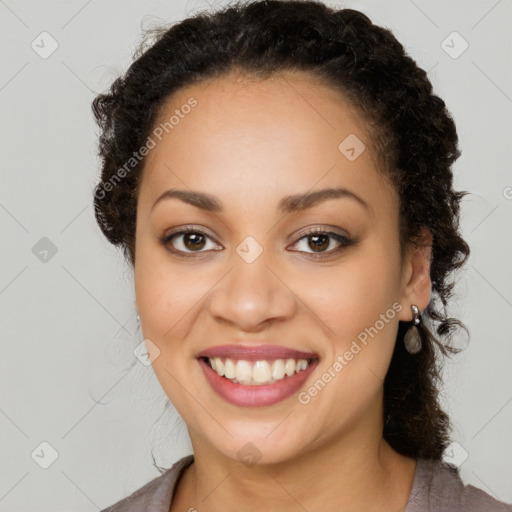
(255, 353)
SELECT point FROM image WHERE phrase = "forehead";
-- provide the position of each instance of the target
(251, 136)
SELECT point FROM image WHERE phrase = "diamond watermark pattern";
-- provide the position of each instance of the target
(249, 454)
(454, 45)
(455, 454)
(44, 45)
(45, 455)
(351, 147)
(146, 352)
(249, 249)
(44, 250)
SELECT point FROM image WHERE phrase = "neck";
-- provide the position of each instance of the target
(354, 474)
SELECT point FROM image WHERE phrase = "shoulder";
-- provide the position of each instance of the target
(438, 487)
(156, 495)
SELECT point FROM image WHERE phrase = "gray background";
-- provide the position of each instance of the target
(68, 376)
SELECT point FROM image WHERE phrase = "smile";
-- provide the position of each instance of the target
(257, 373)
(257, 390)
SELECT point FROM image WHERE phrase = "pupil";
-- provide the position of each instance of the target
(198, 243)
(321, 245)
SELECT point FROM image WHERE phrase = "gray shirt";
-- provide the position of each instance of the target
(436, 487)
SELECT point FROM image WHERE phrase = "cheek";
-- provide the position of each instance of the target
(353, 295)
(163, 296)
(170, 296)
(165, 299)
(163, 302)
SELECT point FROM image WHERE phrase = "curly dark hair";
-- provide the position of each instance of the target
(414, 136)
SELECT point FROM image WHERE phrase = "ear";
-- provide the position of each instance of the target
(416, 282)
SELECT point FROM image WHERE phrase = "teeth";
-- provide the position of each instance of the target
(260, 372)
(229, 369)
(243, 371)
(278, 369)
(289, 367)
(257, 372)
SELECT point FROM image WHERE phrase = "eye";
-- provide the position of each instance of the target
(188, 240)
(323, 243)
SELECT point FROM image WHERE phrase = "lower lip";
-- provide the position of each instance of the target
(255, 395)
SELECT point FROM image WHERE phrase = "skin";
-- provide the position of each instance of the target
(249, 143)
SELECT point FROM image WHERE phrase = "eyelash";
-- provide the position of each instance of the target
(342, 239)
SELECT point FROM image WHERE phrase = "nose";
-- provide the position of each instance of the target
(252, 295)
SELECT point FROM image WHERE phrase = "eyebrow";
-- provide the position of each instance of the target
(288, 204)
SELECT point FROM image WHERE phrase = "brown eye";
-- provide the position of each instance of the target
(188, 241)
(318, 242)
(193, 241)
(322, 243)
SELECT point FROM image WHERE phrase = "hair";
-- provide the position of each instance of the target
(413, 134)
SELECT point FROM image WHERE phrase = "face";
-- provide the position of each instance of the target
(253, 265)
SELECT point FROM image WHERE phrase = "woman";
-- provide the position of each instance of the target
(279, 175)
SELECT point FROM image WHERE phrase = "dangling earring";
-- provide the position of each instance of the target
(412, 339)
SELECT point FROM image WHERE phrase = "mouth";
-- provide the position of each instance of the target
(257, 372)
(256, 376)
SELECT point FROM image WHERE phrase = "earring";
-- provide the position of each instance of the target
(412, 339)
